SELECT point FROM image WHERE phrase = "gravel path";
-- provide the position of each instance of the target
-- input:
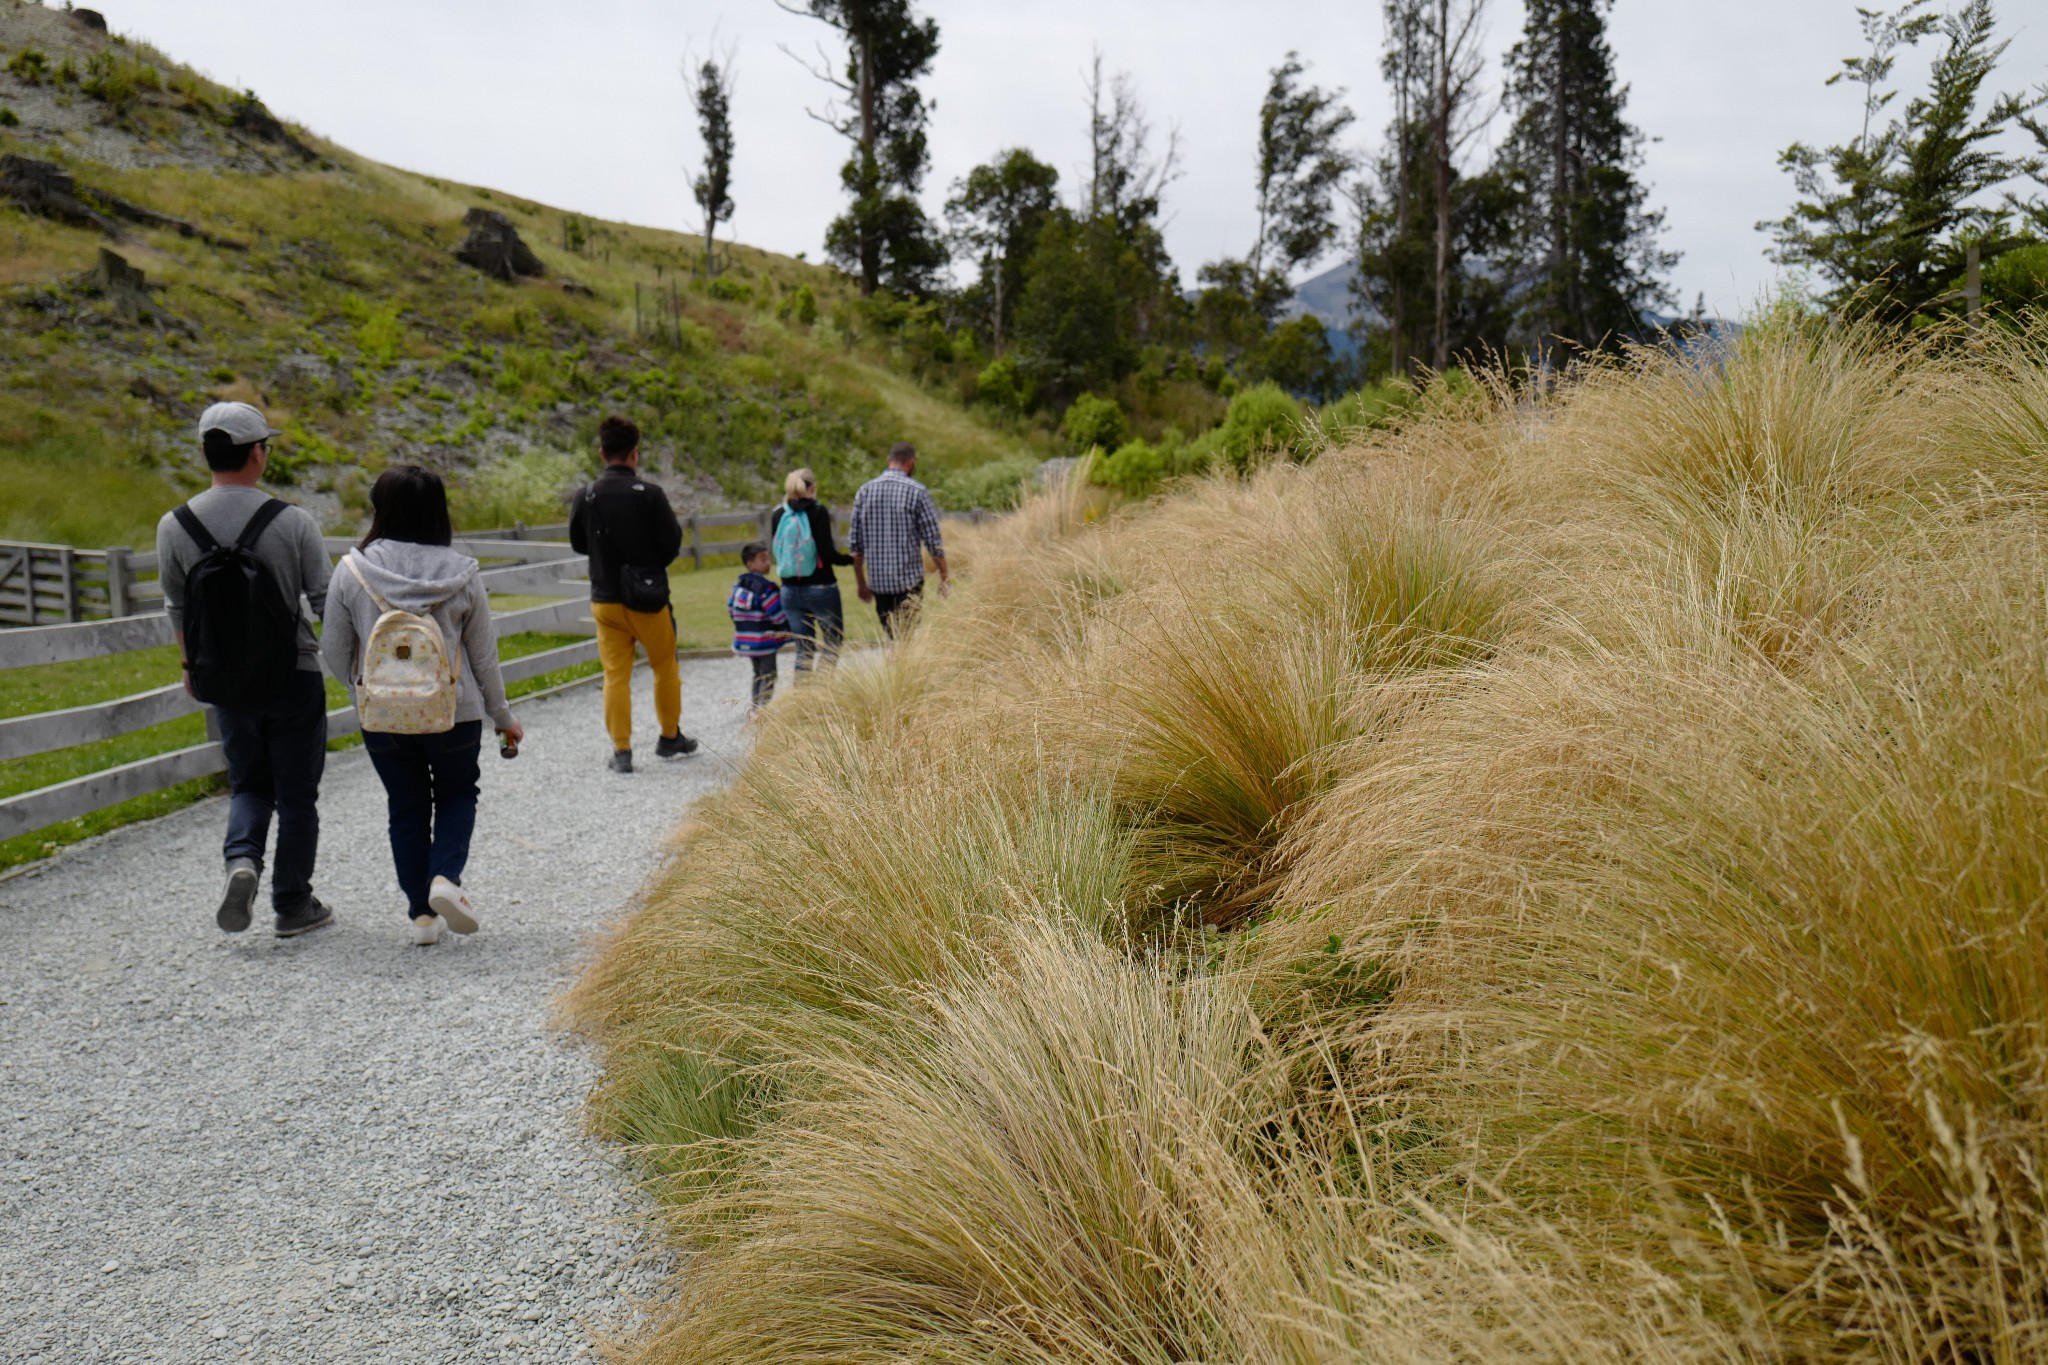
(339, 1147)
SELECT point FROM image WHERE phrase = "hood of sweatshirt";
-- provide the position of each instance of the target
(414, 577)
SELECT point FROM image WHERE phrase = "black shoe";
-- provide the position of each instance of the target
(674, 747)
(304, 920)
(233, 914)
(622, 761)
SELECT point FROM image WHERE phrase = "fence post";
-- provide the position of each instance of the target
(117, 580)
(696, 544)
(67, 565)
(518, 530)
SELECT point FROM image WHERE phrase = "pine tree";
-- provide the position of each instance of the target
(1583, 251)
(711, 99)
(884, 236)
(1888, 217)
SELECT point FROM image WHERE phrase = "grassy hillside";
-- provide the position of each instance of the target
(1564, 881)
(337, 303)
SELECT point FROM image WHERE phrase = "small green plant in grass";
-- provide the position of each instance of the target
(29, 66)
(222, 374)
(378, 332)
(8, 118)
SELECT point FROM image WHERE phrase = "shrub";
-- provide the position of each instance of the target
(1138, 467)
(731, 290)
(1093, 422)
(1002, 386)
(996, 485)
(29, 66)
(1262, 420)
(801, 307)
(2018, 279)
(8, 118)
(118, 82)
(1372, 408)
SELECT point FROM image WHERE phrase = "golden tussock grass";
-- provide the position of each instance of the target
(1564, 882)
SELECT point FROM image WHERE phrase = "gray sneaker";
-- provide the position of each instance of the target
(622, 761)
(233, 914)
(304, 920)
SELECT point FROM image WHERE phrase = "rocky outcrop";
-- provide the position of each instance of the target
(49, 191)
(90, 20)
(494, 247)
(251, 118)
(127, 292)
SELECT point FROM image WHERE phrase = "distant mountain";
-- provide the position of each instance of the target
(1328, 296)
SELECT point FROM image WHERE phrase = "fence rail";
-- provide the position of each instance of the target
(52, 620)
(43, 585)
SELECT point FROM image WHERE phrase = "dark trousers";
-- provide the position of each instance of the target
(764, 678)
(430, 791)
(888, 605)
(818, 620)
(276, 753)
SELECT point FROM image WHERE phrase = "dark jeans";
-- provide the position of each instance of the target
(764, 678)
(889, 604)
(818, 620)
(276, 753)
(430, 789)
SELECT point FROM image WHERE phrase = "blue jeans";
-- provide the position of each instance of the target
(430, 790)
(817, 619)
(276, 753)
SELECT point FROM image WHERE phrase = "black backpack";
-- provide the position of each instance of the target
(640, 589)
(241, 636)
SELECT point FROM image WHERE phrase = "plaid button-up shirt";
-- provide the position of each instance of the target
(894, 521)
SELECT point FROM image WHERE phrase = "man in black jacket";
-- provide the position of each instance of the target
(624, 523)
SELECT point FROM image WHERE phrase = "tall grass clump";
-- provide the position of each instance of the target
(1563, 880)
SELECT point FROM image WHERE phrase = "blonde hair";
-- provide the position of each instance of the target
(801, 483)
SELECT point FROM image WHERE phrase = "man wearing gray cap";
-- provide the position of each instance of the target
(235, 564)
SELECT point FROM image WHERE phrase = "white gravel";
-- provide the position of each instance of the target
(340, 1147)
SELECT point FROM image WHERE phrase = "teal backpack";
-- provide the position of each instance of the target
(796, 549)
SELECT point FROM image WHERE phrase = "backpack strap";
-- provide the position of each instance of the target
(350, 560)
(258, 524)
(195, 528)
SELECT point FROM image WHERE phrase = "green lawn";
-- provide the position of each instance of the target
(701, 623)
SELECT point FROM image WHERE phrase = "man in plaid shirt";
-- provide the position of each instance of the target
(894, 523)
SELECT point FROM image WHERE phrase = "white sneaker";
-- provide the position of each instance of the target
(452, 905)
(426, 931)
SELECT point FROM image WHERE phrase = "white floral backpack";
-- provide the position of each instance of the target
(405, 675)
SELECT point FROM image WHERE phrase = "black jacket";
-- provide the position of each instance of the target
(621, 518)
(821, 531)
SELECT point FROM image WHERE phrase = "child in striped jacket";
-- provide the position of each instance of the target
(758, 625)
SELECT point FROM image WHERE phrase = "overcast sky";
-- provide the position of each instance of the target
(580, 104)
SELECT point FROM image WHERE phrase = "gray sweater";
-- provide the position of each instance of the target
(289, 547)
(428, 580)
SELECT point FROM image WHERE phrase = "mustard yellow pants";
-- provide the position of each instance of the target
(618, 630)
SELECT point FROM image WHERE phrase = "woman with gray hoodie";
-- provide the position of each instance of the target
(407, 563)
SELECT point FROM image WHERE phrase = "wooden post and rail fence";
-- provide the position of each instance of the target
(71, 605)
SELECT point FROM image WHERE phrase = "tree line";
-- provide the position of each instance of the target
(1544, 246)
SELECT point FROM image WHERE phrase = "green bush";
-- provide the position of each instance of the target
(1002, 386)
(2018, 278)
(1261, 418)
(29, 66)
(1371, 408)
(118, 82)
(801, 307)
(731, 290)
(378, 331)
(995, 485)
(1095, 422)
(8, 118)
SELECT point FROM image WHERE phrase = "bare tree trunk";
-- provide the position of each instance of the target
(1561, 277)
(1440, 350)
(870, 238)
(1397, 317)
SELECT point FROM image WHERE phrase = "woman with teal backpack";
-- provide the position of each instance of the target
(804, 559)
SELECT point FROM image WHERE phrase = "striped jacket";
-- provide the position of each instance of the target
(758, 624)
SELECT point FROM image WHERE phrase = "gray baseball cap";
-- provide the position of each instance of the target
(243, 424)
